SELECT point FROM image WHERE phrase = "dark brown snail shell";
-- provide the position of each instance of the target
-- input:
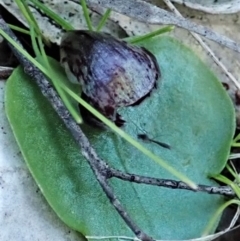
(111, 72)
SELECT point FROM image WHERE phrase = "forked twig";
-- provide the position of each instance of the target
(100, 168)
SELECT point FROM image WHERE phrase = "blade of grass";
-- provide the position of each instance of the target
(21, 30)
(217, 214)
(235, 142)
(86, 14)
(137, 39)
(231, 171)
(30, 19)
(64, 24)
(103, 20)
(24, 53)
(232, 167)
(34, 43)
(23, 11)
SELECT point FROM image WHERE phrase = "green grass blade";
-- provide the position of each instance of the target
(32, 21)
(34, 43)
(137, 39)
(30, 18)
(86, 14)
(53, 15)
(24, 53)
(217, 214)
(23, 11)
(103, 20)
(231, 168)
(21, 30)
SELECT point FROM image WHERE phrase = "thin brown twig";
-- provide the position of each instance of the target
(167, 183)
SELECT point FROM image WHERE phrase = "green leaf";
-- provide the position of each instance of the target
(189, 110)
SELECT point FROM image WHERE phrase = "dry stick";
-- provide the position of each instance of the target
(223, 190)
(100, 168)
(148, 13)
(205, 47)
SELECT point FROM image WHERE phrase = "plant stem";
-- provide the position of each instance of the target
(64, 24)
